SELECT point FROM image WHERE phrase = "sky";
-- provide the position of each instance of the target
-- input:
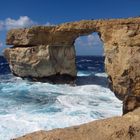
(26, 13)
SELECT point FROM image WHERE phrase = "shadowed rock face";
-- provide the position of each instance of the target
(130, 103)
(42, 51)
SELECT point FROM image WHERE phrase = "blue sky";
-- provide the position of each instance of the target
(23, 13)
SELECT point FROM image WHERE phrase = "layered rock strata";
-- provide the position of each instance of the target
(40, 52)
(43, 63)
(126, 127)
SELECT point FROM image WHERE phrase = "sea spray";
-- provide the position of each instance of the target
(29, 106)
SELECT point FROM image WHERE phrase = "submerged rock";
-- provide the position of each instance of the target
(126, 127)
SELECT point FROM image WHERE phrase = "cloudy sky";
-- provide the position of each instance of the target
(26, 13)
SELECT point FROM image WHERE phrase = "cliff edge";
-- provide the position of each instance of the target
(126, 127)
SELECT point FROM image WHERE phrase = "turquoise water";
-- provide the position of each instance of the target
(30, 106)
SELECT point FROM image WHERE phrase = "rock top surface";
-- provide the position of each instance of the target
(63, 34)
(126, 127)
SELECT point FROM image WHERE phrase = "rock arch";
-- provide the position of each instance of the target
(48, 52)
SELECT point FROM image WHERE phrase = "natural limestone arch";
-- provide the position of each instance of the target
(48, 52)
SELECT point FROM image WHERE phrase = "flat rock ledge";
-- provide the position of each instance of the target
(125, 127)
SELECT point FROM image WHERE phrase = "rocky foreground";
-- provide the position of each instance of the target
(126, 127)
(48, 54)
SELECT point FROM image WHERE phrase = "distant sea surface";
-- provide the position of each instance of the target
(30, 106)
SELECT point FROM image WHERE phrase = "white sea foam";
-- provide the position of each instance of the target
(27, 106)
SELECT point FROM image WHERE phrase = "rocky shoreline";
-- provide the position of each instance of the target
(126, 127)
(44, 53)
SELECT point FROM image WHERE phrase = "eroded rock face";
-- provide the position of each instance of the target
(130, 103)
(121, 38)
(126, 127)
(43, 63)
(122, 50)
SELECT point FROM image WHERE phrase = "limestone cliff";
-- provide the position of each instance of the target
(126, 127)
(41, 51)
(43, 62)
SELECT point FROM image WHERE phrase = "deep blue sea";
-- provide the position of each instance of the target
(29, 106)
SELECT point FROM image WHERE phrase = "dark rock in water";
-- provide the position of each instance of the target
(55, 79)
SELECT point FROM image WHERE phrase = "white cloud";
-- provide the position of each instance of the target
(79, 41)
(89, 41)
(23, 21)
(49, 24)
(93, 40)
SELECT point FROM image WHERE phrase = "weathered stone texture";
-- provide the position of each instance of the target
(41, 61)
(121, 38)
(122, 50)
(126, 127)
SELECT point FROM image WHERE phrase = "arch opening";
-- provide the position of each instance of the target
(89, 45)
(92, 78)
(90, 60)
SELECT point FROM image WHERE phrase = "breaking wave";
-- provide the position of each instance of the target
(29, 106)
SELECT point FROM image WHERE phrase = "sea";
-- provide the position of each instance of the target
(27, 106)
